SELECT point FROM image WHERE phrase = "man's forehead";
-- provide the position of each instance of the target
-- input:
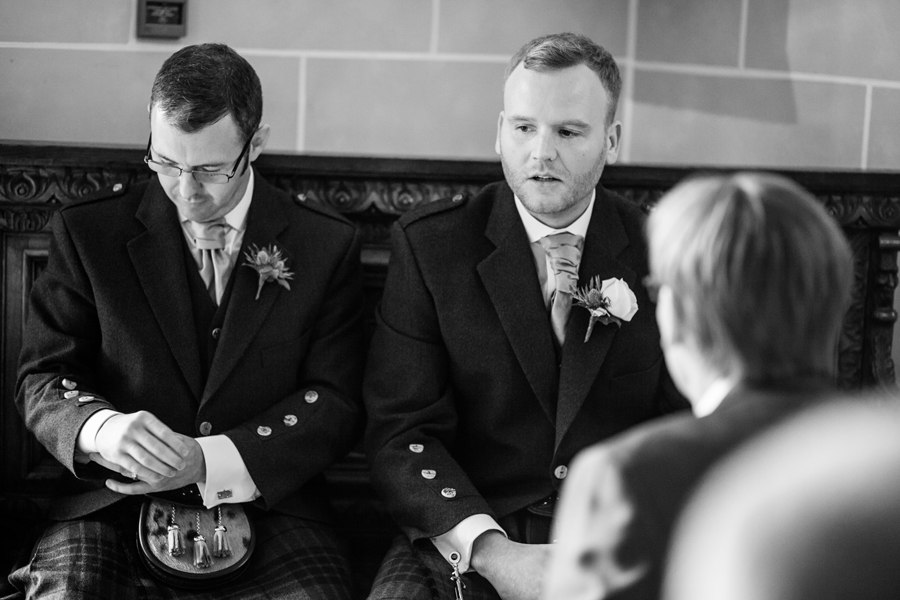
(213, 145)
(576, 88)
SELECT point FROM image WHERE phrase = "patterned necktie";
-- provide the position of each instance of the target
(564, 251)
(215, 265)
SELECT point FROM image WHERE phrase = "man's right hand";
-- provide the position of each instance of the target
(515, 570)
(142, 444)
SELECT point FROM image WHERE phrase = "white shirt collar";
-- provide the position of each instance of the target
(712, 397)
(535, 230)
(237, 216)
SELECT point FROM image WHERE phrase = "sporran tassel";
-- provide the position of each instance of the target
(221, 547)
(174, 538)
(175, 541)
(202, 559)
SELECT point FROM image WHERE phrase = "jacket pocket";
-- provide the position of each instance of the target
(286, 355)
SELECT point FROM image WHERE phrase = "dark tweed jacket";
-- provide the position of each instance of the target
(112, 312)
(463, 382)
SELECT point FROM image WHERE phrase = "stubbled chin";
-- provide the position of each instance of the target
(194, 210)
(194, 206)
(544, 190)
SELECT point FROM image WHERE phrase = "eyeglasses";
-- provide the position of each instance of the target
(199, 176)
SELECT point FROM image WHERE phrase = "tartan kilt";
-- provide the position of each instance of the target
(410, 573)
(96, 557)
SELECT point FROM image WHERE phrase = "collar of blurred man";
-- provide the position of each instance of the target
(710, 400)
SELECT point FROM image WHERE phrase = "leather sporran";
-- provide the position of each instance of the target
(186, 545)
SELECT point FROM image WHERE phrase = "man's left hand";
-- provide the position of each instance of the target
(193, 472)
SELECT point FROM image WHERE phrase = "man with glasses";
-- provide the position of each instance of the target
(197, 333)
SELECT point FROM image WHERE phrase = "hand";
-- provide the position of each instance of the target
(193, 472)
(595, 519)
(515, 570)
(139, 444)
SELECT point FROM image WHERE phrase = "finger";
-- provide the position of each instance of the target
(146, 461)
(129, 489)
(132, 469)
(98, 458)
(143, 445)
(166, 445)
(166, 435)
(131, 436)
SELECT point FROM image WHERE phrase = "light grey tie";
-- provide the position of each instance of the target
(564, 250)
(215, 265)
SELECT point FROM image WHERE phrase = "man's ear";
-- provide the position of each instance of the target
(259, 141)
(499, 126)
(613, 139)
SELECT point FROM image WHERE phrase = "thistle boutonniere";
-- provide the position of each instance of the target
(608, 301)
(270, 265)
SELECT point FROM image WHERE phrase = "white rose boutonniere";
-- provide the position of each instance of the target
(609, 301)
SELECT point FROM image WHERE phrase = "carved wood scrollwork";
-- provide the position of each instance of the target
(865, 211)
(851, 344)
(26, 185)
(30, 195)
(26, 219)
(372, 193)
(389, 198)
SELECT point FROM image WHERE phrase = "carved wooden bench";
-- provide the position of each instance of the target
(35, 180)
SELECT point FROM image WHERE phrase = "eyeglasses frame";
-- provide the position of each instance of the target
(237, 163)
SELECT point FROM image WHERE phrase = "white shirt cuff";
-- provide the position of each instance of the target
(227, 478)
(86, 443)
(459, 540)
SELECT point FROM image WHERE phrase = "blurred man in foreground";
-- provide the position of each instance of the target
(808, 511)
(753, 279)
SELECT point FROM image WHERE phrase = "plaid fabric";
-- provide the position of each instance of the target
(97, 558)
(408, 573)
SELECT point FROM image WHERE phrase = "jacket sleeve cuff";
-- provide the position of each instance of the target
(460, 539)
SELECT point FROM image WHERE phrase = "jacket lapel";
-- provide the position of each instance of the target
(605, 240)
(158, 260)
(266, 219)
(509, 276)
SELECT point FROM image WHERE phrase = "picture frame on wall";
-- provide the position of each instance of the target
(162, 18)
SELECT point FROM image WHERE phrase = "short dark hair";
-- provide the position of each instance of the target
(563, 50)
(200, 84)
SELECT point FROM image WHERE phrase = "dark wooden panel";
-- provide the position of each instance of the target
(26, 467)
